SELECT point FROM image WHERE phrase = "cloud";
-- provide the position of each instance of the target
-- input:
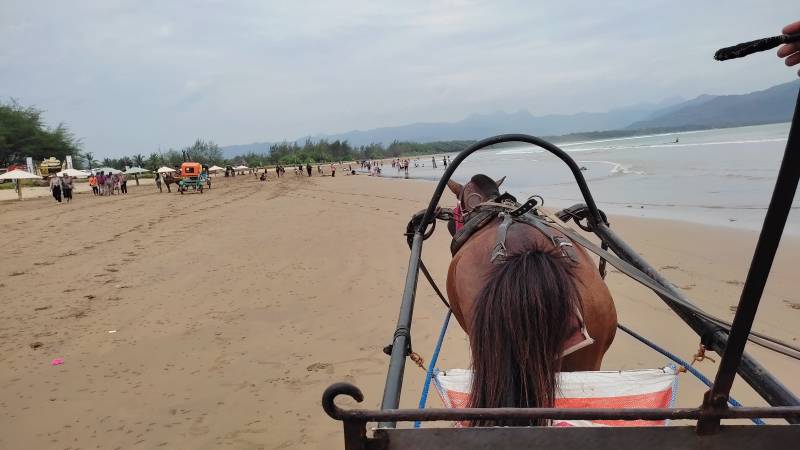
(130, 76)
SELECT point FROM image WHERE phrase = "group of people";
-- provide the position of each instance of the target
(61, 188)
(104, 184)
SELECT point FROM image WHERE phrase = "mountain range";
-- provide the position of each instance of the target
(771, 105)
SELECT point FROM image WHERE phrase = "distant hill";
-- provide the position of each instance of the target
(772, 105)
(478, 126)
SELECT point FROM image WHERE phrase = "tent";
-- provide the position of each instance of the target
(72, 173)
(19, 174)
(241, 168)
(165, 169)
(135, 171)
(110, 170)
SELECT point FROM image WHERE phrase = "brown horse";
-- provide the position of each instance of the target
(170, 179)
(523, 311)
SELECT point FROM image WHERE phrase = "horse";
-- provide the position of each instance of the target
(523, 310)
(168, 179)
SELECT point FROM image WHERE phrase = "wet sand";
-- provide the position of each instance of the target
(234, 309)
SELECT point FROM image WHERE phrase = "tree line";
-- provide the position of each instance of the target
(23, 134)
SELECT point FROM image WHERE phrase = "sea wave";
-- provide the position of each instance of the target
(616, 168)
(519, 151)
(674, 145)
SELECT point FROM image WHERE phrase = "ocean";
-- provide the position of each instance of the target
(722, 177)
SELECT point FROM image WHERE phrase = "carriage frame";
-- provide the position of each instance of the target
(708, 433)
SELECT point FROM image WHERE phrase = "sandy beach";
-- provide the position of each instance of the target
(216, 320)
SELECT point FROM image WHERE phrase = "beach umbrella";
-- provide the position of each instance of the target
(215, 169)
(135, 171)
(110, 170)
(72, 173)
(241, 168)
(19, 174)
(165, 169)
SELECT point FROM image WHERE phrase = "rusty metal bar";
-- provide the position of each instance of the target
(770, 237)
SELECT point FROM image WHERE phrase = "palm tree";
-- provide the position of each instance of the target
(138, 160)
(89, 157)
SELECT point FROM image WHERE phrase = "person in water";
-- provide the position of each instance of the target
(791, 51)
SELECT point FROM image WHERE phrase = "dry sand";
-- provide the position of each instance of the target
(234, 309)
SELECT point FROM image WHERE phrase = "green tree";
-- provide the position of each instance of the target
(138, 160)
(23, 134)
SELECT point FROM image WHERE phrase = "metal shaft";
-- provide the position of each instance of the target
(778, 211)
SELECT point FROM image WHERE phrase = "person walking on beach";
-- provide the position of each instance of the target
(308, 168)
(93, 184)
(123, 183)
(55, 188)
(433, 160)
(100, 180)
(109, 184)
(66, 188)
(158, 182)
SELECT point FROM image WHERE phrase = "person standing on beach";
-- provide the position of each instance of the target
(158, 182)
(55, 188)
(333, 170)
(308, 169)
(433, 160)
(123, 183)
(66, 188)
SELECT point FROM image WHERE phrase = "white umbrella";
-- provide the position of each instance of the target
(110, 170)
(241, 168)
(72, 173)
(165, 169)
(135, 171)
(19, 174)
(215, 168)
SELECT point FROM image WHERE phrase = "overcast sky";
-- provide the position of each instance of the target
(130, 76)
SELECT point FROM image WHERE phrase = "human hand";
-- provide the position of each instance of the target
(791, 51)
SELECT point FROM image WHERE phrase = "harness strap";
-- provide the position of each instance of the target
(561, 242)
(499, 250)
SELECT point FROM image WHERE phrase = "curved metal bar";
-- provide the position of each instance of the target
(595, 215)
(460, 414)
(336, 390)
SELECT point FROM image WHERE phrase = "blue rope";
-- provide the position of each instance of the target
(429, 374)
(732, 401)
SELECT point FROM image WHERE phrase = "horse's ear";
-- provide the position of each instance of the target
(455, 187)
(500, 181)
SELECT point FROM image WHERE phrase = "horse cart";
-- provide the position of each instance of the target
(728, 339)
(192, 177)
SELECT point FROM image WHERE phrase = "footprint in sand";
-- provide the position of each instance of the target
(792, 305)
(316, 367)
